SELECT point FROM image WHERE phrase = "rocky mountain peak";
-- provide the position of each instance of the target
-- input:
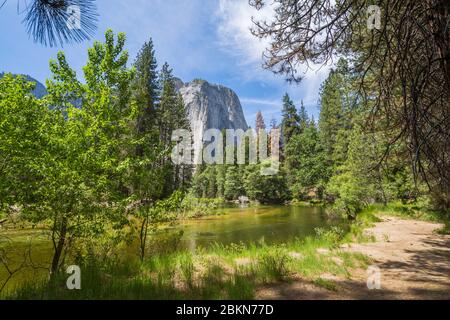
(211, 106)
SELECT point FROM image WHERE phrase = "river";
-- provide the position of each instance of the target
(272, 224)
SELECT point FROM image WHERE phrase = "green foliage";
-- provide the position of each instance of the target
(337, 103)
(24, 137)
(274, 265)
(353, 184)
(233, 187)
(144, 174)
(290, 125)
(306, 164)
(265, 188)
(172, 115)
(206, 274)
(192, 206)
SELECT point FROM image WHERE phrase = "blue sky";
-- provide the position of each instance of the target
(207, 39)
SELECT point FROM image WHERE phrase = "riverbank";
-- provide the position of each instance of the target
(413, 259)
(330, 265)
(234, 271)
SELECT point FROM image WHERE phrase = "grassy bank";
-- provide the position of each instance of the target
(219, 272)
(225, 272)
(416, 211)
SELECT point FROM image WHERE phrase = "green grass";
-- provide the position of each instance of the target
(212, 273)
(233, 271)
(416, 211)
(325, 283)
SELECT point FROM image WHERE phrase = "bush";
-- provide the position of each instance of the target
(274, 265)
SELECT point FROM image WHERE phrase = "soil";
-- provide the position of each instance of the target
(414, 263)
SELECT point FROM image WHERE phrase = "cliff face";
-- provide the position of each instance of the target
(208, 105)
(211, 106)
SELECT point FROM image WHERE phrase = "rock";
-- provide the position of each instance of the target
(296, 255)
(323, 251)
(208, 105)
(211, 106)
(243, 200)
(241, 262)
(338, 261)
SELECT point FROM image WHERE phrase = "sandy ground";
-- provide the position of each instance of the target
(414, 263)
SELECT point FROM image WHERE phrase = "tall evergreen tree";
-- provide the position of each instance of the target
(260, 124)
(148, 149)
(172, 115)
(146, 87)
(290, 124)
(303, 117)
(305, 164)
(233, 187)
(335, 114)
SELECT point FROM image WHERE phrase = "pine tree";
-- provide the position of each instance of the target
(233, 183)
(171, 116)
(335, 113)
(303, 117)
(146, 88)
(260, 124)
(167, 109)
(290, 124)
(305, 164)
(145, 170)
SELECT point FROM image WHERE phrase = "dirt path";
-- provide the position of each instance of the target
(413, 259)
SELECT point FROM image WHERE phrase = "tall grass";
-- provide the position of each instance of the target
(223, 271)
(211, 273)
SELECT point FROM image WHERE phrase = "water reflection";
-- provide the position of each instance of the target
(273, 224)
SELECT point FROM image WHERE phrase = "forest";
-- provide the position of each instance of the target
(87, 168)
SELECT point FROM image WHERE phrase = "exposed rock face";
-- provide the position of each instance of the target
(211, 106)
(208, 105)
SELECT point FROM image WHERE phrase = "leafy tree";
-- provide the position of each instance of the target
(306, 164)
(403, 65)
(355, 184)
(82, 190)
(233, 187)
(25, 131)
(265, 189)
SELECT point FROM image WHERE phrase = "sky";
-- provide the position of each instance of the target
(200, 39)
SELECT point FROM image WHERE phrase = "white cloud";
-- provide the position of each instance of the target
(234, 22)
(256, 101)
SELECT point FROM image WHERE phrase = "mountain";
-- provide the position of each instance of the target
(211, 106)
(208, 105)
(39, 91)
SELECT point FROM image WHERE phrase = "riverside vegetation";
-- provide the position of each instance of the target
(97, 180)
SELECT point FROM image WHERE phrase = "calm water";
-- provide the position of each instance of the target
(273, 224)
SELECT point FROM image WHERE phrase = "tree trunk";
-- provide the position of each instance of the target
(59, 247)
(143, 237)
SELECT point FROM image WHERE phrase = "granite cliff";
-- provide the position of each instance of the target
(211, 106)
